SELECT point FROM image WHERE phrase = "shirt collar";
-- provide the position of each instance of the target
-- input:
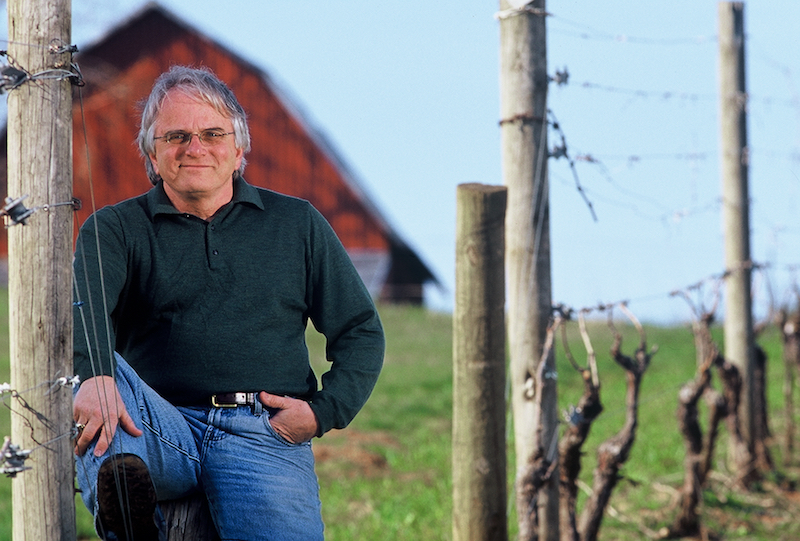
(159, 203)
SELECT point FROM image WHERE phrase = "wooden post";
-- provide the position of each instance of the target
(40, 269)
(523, 104)
(479, 373)
(189, 519)
(738, 324)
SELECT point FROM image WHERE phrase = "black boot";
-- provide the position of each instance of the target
(127, 500)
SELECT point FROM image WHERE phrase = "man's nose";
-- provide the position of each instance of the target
(195, 145)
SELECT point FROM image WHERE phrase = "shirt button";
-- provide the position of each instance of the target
(215, 252)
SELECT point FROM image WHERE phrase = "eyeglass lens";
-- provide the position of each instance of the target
(207, 137)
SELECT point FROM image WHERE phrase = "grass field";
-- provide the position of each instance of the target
(388, 476)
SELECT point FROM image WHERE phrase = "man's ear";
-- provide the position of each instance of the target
(154, 162)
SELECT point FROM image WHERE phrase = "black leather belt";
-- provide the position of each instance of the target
(232, 400)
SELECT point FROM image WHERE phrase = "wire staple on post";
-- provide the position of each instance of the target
(13, 458)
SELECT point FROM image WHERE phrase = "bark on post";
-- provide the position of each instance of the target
(523, 104)
(40, 268)
(479, 374)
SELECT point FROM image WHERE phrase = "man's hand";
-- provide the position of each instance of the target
(294, 421)
(99, 408)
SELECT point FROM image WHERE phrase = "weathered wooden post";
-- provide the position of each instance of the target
(189, 519)
(738, 324)
(40, 267)
(523, 121)
(479, 374)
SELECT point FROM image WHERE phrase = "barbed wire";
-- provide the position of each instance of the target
(561, 151)
(682, 95)
(13, 75)
(13, 456)
(666, 214)
(715, 279)
(590, 33)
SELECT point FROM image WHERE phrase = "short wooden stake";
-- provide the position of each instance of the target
(479, 373)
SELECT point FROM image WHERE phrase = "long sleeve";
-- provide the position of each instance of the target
(96, 292)
(342, 310)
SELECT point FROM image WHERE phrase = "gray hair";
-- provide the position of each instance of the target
(200, 83)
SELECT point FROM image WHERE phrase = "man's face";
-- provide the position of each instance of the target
(197, 170)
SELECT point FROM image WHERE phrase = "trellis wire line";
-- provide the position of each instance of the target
(600, 35)
(104, 398)
(109, 407)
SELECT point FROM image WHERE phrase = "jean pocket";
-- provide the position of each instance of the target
(271, 430)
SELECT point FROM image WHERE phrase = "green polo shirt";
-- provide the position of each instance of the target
(199, 308)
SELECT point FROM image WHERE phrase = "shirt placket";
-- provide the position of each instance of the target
(214, 247)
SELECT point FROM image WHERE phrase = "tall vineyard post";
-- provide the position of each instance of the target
(40, 268)
(523, 112)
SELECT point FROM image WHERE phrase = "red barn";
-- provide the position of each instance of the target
(289, 155)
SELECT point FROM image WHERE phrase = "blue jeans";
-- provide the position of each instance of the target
(259, 486)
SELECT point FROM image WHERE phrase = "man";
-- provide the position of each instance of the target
(192, 302)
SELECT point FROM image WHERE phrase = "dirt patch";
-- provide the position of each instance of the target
(354, 454)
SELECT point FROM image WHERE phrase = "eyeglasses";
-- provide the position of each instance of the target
(207, 137)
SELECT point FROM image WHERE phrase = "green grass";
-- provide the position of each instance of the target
(388, 476)
(400, 442)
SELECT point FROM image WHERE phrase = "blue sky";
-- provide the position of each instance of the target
(409, 94)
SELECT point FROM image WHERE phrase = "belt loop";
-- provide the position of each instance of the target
(258, 407)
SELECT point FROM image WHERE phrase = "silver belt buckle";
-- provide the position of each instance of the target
(218, 405)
